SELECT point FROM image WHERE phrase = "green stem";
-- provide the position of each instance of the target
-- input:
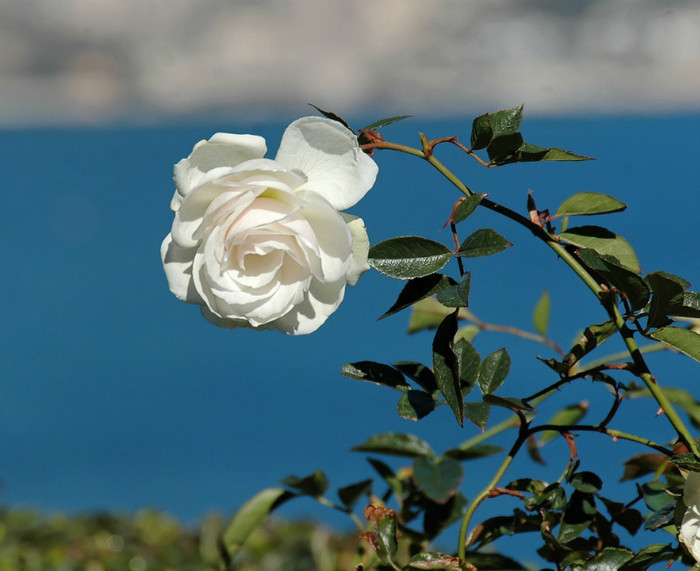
(480, 497)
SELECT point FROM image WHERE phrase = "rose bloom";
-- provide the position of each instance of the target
(262, 243)
(689, 533)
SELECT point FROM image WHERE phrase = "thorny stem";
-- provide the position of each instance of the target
(611, 308)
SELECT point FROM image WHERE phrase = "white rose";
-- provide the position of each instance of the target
(262, 243)
(689, 533)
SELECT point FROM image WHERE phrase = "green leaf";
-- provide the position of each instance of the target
(250, 516)
(429, 561)
(477, 413)
(332, 116)
(493, 371)
(313, 485)
(593, 336)
(641, 465)
(609, 270)
(415, 404)
(610, 559)
(419, 373)
(483, 242)
(352, 494)
(565, 417)
(464, 453)
(503, 149)
(396, 444)
(468, 362)
(418, 289)
(445, 367)
(466, 207)
(686, 461)
(384, 122)
(604, 242)
(482, 132)
(438, 478)
(684, 340)
(375, 373)
(647, 557)
(456, 295)
(579, 514)
(656, 497)
(586, 482)
(408, 257)
(540, 317)
(589, 203)
(507, 402)
(665, 288)
(529, 153)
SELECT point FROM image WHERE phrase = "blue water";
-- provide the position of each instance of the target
(117, 396)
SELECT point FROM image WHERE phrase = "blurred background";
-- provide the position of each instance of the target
(116, 396)
(97, 61)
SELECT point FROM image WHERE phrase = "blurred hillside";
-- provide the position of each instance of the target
(88, 61)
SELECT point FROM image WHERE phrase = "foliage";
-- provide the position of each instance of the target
(401, 512)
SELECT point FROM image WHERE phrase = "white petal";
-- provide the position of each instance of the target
(332, 234)
(360, 248)
(689, 532)
(177, 263)
(222, 150)
(330, 156)
(322, 300)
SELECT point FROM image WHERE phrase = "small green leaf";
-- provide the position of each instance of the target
(610, 559)
(313, 485)
(589, 203)
(352, 494)
(686, 461)
(414, 405)
(503, 148)
(506, 121)
(665, 288)
(439, 478)
(428, 313)
(529, 153)
(464, 453)
(456, 295)
(332, 116)
(250, 516)
(468, 362)
(482, 132)
(483, 242)
(507, 402)
(477, 413)
(466, 207)
(384, 122)
(419, 373)
(445, 367)
(408, 257)
(540, 317)
(684, 340)
(396, 444)
(375, 373)
(419, 288)
(429, 561)
(604, 242)
(647, 557)
(592, 337)
(586, 482)
(493, 371)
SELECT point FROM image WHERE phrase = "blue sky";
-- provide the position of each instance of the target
(115, 395)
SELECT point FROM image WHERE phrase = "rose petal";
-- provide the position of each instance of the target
(222, 150)
(689, 532)
(177, 263)
(321, 301)
(330, 156)
(360, 248)
(332, 235)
